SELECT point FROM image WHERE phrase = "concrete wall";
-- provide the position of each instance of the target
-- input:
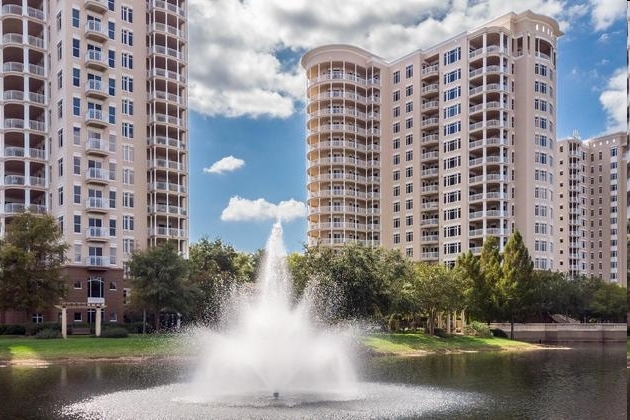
(553, 333)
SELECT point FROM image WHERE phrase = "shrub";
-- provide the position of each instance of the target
(12, 329)
(34, 329)
(498, 332)
(48, 333)
(440, 332)
(478, 329)
(114, 332)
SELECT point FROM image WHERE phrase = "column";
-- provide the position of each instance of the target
(97, 327)
(64, 322)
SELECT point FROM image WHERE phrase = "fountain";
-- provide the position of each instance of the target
(275, 362)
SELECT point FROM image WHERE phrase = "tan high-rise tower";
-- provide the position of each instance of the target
(93, 130)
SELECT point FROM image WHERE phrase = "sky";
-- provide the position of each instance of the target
(246, 91)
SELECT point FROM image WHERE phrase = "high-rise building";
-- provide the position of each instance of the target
(439, 149)
(93, 130)
(591, 207)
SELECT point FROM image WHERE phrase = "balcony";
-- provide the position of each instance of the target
(97, 204)
(96, 118)
(95, 89)
(161, 27)
(165, 208)
(98, 175)
(14, 208)
(97, 146)
(97, 261)
(166, 141)
(166, 187)
(171, 75)
(99, 234)
(430, 88)
(98, 6)
(171, 52)
(428, 122)
(168, 119)
(160, 4)
(96, 31)
(165, 96)
(14, 180)
(429, 222)
(166, 164)
(429, 70)
(169, 232)
(96, 60)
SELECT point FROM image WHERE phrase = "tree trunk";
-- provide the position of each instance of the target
(144, 321)
(157, 321)
(511, 327)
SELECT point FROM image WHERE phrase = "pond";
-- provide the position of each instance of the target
(584, 382)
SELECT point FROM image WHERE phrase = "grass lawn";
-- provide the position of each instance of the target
(418, 342)
(84, 347)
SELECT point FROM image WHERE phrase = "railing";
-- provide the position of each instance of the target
(429, 69)
(163, 163)
(95, 115)
(95, 85)
(165, 208)
(97, 261)
(98, 173)
(163, 141)
(37, 181)
(171, 52)
(164, 231)
(97, 203)
(166, 186)
(95, 143)
(95, 26)
(95, 55)
(161, 95)
(425, 222)
(14, 180)
(97, 232)
(166, 119)
(347, 144)
(166, 73)
(166, 28)
(160, 4)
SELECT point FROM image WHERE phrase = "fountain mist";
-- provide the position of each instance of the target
(273, 348)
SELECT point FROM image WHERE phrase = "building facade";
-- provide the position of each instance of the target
(93, 130)
(591, 215)
(435, 151)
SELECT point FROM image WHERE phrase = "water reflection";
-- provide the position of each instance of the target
(589, 382)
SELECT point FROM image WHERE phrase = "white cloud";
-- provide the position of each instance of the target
(613, 100)
(244, 55)
(242, 209)
(227, 164)
(605, 12)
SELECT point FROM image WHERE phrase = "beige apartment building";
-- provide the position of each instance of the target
(591, 214)
(435, 151)
(93, 130)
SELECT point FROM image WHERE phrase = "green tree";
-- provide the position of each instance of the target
(159, 281)
(472, 284)
(514, 284)
(31, 255)
(216, 269)
(432, 288)
(609, 302)
(485, 297)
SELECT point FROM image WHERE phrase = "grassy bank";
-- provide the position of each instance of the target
(16, 349)
(406, 344)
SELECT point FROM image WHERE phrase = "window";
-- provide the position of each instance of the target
(396, 159)
(452, 145)
(76, 77)
(409, 171)
(396, 96)
(453, 110)
(128, 223)
(409, 155)
(111, 30)
(77, 194)
(59, 79)
(396, 112)
(59, 51)
(453, 93)
(58, 21)
(409, 220)
(60, 167)
(396, 143)
(396, 223)
(112, 86)
(76, 165)
(453, 162)
(127, 152)
(112, 114)
(409, 139)
(396, 207)
(76, 135)
(112, 199)
(127, 60)
(409, 204)
(127, 37)
(396, 238)
(60, 109)
(75, 18)
(409, 71)
(396, 127)
(127, 130)
(111, 5)
(128, 200)
(409, 187)
(409, 123)
(451, 180)
(128, 245)
(452, 197)
(453, 248)
(409, 90)
(76, 48)
(453, 231)
(128, 176)
(95, 286)
(127, 107)
(77, 223)
(60, 137)
(452, 55)
(452, 128)
(452, 214)
(396, 77)
(396, 191)
(112, 59)
(409, 106)
(76, 107)
(409, 236)
(126, 14)
(127, 84)
(112, 227)
(396, 175)
(452, 76)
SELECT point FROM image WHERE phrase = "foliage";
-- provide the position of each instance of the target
(609, 302)
(31, 255)
(159, 281)
(12, 329)
(486, 299)
(48, 333)
(114, 332)
(216, 270)
(498, 332)
(478, 329)
(33, 329)
(433, 290)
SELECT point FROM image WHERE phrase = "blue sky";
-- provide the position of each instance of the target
(247, 123)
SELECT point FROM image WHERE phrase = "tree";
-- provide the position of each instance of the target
(609, 302)
(513, 286)
(485, 296)
(31, 255)
(216, 269)
(159, 281)
(432, 288)
(474, 291)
